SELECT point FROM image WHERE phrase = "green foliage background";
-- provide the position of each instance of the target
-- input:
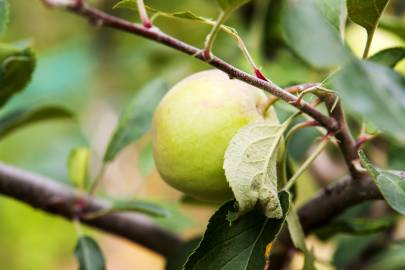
(78, 66)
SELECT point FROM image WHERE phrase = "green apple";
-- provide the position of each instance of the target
(192, 127)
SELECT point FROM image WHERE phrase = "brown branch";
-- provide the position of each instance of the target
(333, 200)
(56, 198)
(335, 124)
(100, 18)
(329, 203)
(344, 137)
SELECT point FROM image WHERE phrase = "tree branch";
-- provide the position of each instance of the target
(333, 200)
(100, 18)
(345, 139)
(56, 198)
(329, 202)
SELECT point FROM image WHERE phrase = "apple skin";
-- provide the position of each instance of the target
(192, 127)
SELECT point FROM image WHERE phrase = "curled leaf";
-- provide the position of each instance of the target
(251, 167)
(16, 67)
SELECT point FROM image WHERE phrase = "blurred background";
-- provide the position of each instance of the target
(95, 71)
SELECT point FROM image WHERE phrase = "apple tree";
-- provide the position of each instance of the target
(236, 137)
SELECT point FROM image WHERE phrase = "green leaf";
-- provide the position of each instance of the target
(184, 15)
(132, 5)
(251, 167)
(178, 221)
(187, 15)
(16, 68)
(298, 238)
(240, 246)
(231, 5)
(391, 186)
(148, 208)
(136, 118)
(178, 257)
(374, 92)
(57, 80)
(78, 167)
(20, 117)
(349, 248)
(366, 13)
(336, 13)
(321, 48)
(389, 57)
(395, 25)
(355, 226)
(4, 15)
(89, 254)
(391, 258)
(146, 162)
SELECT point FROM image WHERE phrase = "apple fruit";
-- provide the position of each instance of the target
(193, 125)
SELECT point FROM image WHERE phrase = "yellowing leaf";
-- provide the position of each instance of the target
(268, 250)
(298, 238)
(78, 165)
(251, 167)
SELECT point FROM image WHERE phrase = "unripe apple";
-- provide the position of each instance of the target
(192, 127)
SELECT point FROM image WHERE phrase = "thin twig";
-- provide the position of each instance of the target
(143, 14)
(103, 19)
(292, 90)
(307, 163)
(346, 142)
(210, 39)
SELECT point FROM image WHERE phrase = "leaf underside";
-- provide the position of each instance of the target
(251, 167)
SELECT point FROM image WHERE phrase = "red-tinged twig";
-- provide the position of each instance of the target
(259, 74)
(158, 36)
(292, 90)
(362, 139)
(146, 22)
